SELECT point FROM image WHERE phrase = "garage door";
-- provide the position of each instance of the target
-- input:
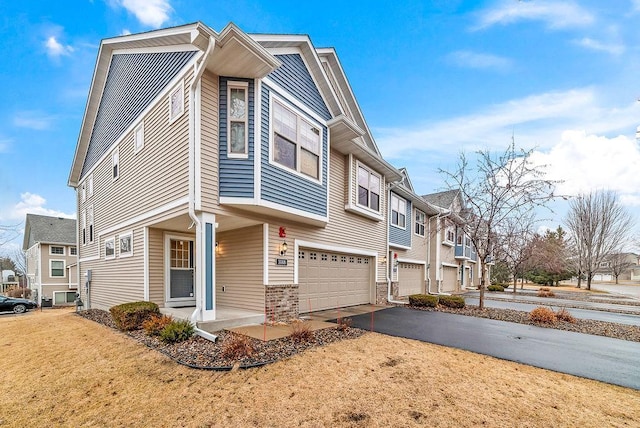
(449, 278)
(332, 280)
(410, 279)
(602, 277)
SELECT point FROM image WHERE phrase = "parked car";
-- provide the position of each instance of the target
(16, 305)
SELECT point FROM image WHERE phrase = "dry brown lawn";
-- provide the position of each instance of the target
(59, 369)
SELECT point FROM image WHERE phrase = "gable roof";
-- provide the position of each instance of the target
(48, 230)
(442, 199)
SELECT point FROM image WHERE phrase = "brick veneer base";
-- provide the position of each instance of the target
(281, 302)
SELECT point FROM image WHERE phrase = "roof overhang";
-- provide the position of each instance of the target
(367, 156)
(416, 200)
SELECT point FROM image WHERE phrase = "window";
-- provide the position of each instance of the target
(115, 157)
(90, 221)
(63, 297)
(110, 248)
(459, 239)
(56, 268)
(398, 211)
(56, 250)
(368, 189)
(450, 234)
(126, 244)
(138, 138)
(176, 102)
(84, 227)
(296, 142)
(237, 111)
(83, 192)
(90, 186)
(73, 251)
(420, 220)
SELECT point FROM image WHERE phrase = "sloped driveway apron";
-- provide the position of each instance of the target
(605, 359)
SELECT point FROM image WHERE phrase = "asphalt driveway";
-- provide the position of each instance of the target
(605, 359)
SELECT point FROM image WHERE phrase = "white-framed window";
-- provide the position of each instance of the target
(57, 269)
(125, 241)
(110, 248)
(138, 138)
(604, 264)
(449, 234)
(296, 142)
(90, 185)
(83, 192)
(90, 223)
(115, 161)
(56, 250)
(368, 189)
(459, 239)
(237, 119)
(84, 227)
(176, 102)
(421, 219)
(64, 297)
(73, 251)
(398, 211)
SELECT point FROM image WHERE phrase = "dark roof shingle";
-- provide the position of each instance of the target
(52, 230)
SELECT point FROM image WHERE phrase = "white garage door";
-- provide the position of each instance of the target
(410, 279)
(332, 280)
(449, 279)
(602, 277)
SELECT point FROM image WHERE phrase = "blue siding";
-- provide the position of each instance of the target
(283, 187)
(398, 236)
(295, 78)
(236, 175)
(133, 81)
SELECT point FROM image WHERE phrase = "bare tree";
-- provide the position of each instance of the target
(8, 233)
(619, 263)
(19, 259)
(598, 223)
(498, 188)
(513, 247)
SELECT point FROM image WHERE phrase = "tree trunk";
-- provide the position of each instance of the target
(579, 278)
(482, 278)
(589, 282)
(515, 284)
(616, 279)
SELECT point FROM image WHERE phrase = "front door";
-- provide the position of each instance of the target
(180, 258)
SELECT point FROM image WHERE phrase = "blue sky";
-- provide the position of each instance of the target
(432, 78)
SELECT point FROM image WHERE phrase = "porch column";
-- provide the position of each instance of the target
(206, 267)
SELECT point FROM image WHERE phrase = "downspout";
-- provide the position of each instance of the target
(438, 250)
(199, 70)
(389, 258)
(429, 256)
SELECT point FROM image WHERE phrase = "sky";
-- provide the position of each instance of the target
(433, 79)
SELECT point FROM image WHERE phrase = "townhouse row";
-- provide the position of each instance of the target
(225, 170)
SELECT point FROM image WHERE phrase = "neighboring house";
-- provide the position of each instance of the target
(51, 256)
(627, 265)
(453, 259)
(227, 171)
(9, 280)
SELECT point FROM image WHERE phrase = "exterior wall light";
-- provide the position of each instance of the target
(283, 248)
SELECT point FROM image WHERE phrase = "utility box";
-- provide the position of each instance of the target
(46, 302)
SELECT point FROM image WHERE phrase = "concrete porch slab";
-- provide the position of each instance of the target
(351, 311)
(271, 332)
(225, 317)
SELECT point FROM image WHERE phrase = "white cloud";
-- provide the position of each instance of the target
(4, 145)
(125, 32)
(55, 49)
(476, 60)
(32, 120)
(636, 5)
(596, 45)
(29, 203)
(556, 14)
(152, 13)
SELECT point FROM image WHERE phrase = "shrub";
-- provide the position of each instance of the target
(543, 315)
(545, 293)
(544, 289)
(505, 286)
(564, 315)
(177, 331)
(423, 300)
(155, 324)
(20, 292)
(237, 346)
(495, 288)
(301, 331)
(451, 301)
(130, 316)
(344, 324)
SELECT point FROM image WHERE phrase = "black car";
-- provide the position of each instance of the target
(18, 306)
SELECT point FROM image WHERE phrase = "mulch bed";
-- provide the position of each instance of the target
(201, 353)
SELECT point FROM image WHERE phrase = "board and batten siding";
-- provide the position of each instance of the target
(209, 140)
(398, 235)
(236, 175)
(132, 83)
(286, 188)
(344, 230)
(239, 269)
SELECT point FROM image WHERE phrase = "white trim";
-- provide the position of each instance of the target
(400, 198)
(411, 261)
(234, 84)
(448, 243)
(115, 163)
(179, 87)
(257, 137)
(53, 299)
(350, 198)
(72, 247)
(279, 91)
(445, 264)
(357, 177)
(415, 221)
(140, 127)
(402, 247)
(154, 212)
(156, 49)
(91, 225)
(64, 268)
(89, 185)
(64, 251)
(265, 253)
(197, 180)
(145, 261)
(88, 259)
(113, 239)
(166, 256)
(227, 200)
(120, 236)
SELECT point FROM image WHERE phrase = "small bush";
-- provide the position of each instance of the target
(544, 289)
(155, 324)
(543, 315)
(451, 301)
(20, 292)
(177, 331)
(344, 324)
(495, 288)
(301, 331)
(237, 346)
(423, 300)
(545, 293)
(564, 315)
(505, 286)
(130, 316)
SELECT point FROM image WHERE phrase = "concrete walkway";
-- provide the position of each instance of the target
(630, 290)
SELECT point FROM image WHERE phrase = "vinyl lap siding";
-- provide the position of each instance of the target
(156, 266)
(236, 175)
(239, 264)
(283, 187)
(209, 141)
(400, 236)
(133, 81)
